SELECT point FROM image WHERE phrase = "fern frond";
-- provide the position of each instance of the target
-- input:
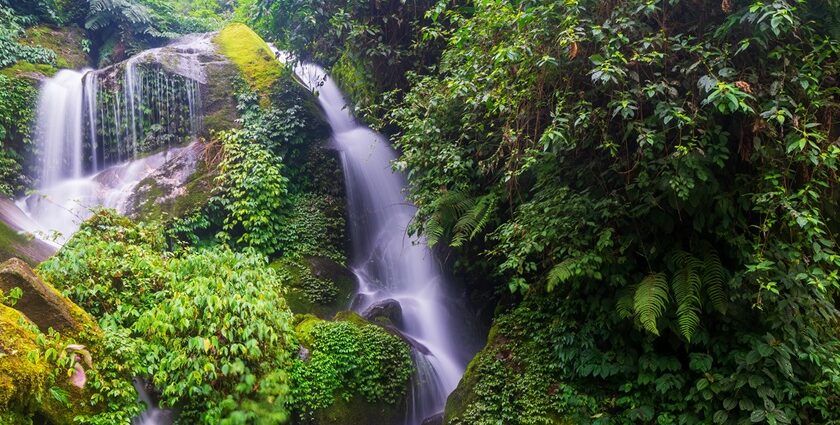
(560, 273)
(650, 300)
(687, 286)
(624, 304)
(473, 221)
(714, 278)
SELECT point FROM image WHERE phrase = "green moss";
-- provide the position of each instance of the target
(252, 55)
(303, 328)
(28, 69)
(66, 42)
(357, 410)
(20, 376)
(515, 380)
(354, 372)
(312, 289)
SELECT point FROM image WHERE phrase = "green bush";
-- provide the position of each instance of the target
(210, 327)
(111, 267)
(218, 347)
(657, 168)
(348, 358)
(255, 194)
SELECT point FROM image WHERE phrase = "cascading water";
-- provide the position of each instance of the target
(93, 125)
(59, 127)
(388, 263)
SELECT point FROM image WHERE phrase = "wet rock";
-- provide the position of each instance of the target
(386, 313)
(328, 269)
(40, 302)
(181, 184)
(434, 420)
(14, 240)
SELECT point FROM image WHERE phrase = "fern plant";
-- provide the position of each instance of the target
(693, 281)
(459, 217)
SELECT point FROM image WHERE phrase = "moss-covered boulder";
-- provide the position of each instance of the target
(40, 302)
(30, 384)
(317, 285)
(516, 380)
(21, 377)
(349, 372)
(66, 42)
(252, 55)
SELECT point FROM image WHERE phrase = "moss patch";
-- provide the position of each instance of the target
(316, 285)
(29, 70)
(252, 55)
(20, 377)
(218, 98)
(352, 372)
(66, 42)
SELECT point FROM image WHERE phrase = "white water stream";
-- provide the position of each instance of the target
(89, 135)
(389, 264)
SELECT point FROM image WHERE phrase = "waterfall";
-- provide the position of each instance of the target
(388, 263)
(95, 131)
(58, 131)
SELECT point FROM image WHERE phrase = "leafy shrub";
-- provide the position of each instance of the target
(211, 327)
(11, 27)
(348, 358)
(255, 194)
(219, 345)
(111, 267)
(315, 226)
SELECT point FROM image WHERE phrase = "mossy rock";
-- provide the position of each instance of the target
(41, 303)
(357, 411)
(66, 42)
(20, 376)
(26, 381)
(218, 100)
(182, 185)
(317, 285)
(30, 71)
(512, 381)
(252, 56)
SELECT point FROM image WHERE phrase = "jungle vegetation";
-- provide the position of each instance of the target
(644, 193)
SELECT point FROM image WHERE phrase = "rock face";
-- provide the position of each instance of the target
(40, 302)
(386, 313)
(180, 185)
(317, 285)
(434, 420)
(13, 243)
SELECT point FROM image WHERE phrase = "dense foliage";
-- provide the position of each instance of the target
(664, 161)
(220, 340)
(228, 367)
(346, 359)
(370, 44)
